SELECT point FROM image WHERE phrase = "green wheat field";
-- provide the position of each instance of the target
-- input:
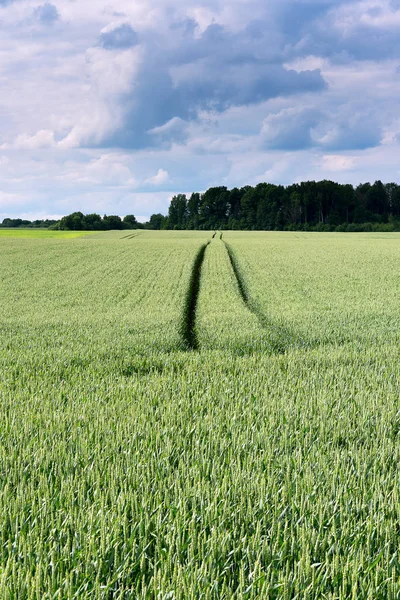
(199, 415)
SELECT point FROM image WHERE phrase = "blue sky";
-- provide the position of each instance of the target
(115, 106)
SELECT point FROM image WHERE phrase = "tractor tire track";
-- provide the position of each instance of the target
(189, 321)
(280, 338)
(130, 236)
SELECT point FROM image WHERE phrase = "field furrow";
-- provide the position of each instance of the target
(189, 325)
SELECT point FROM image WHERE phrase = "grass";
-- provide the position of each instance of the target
(134, 468)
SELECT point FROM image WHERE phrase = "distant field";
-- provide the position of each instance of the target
(41, 234)
(186, 415)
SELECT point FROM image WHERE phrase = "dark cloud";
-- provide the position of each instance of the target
(176, 129)
(357, 133)
(119, 38)
(311, 28)
(287, 24)
(338, 130)
(46, 14)
(290, 129)
(181, 72)
(362, 42)
(213, 72)
(295, 18)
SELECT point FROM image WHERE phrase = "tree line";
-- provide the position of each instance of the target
(77, 221)
(308, 206)
(26, 224)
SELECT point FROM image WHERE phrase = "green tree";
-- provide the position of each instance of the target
(193, 210)
(73, 222)
(215, 208)
(178, 212)
(129, 222)
(157, 221)
(112, 222)
(92, 222)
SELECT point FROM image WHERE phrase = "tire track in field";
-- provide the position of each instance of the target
(189, 321)
(280, 338)
(130, 236)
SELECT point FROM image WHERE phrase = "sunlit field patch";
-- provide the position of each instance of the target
(41, 234)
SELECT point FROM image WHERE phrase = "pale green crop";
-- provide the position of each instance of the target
(261, 464)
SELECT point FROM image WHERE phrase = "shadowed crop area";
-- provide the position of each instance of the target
(184, 416)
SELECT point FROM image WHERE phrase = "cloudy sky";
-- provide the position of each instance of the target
(114, 105)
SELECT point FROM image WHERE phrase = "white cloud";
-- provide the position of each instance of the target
(6, 198)
(11, 202)
(110, 76)
(41, 139)
(160, 178)
(106, 170)
(307, 63)
(337, 162)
